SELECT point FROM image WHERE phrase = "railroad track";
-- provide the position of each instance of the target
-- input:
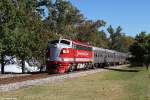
(14, 79)
(13, 83)
(31, 76)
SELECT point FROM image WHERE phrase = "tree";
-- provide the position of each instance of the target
(115, 37)
(7, 25)
(29, 30)
(118, 40)
(25, 31)
(89, 31)
(19, 29)
(101, 39)
(63, 18)
(147, 55)
(126, 42)
(140, 49)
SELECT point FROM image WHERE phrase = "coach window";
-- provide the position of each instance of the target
(65, 42)
(94, 54)
(98, 54)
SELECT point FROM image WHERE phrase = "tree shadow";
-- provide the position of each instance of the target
(123, 70)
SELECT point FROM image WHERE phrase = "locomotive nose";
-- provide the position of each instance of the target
(53, 53)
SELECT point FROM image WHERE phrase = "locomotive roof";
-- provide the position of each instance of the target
(81, 43)
(96, 48)
(74, 41)
(107, 50)
(78, 42)
(102, 49)
(61, 39)
(112, 51)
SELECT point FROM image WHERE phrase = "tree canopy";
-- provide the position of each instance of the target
(140, 49)
(25, 31)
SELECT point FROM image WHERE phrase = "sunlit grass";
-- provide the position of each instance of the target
(112, 85)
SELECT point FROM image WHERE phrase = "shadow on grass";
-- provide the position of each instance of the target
(123, 70)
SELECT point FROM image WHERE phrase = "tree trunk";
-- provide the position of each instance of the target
(147, 65)
(43, 62)
(23, 66)
(2, 64)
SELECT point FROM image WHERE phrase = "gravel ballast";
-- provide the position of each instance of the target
(17, 85)
(12, 75)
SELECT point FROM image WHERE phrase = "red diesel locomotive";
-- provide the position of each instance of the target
(65, 55)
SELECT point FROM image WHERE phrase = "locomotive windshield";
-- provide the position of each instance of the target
(61, 41)
(54, 42)
(65, 42)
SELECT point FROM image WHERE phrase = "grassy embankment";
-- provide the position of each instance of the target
(125, 84)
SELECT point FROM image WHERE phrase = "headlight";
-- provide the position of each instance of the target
(65, 51)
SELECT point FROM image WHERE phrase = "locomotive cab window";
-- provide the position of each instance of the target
(54, 42)
(65, 42)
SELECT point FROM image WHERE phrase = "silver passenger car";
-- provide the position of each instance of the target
(108, 57)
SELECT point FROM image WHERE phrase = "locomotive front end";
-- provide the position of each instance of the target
(56, 51)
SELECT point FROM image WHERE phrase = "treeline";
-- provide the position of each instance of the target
(140, 50)
(25, 29)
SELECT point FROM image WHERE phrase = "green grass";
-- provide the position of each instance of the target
(113, 85)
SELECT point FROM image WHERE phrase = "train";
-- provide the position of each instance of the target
(66, 55)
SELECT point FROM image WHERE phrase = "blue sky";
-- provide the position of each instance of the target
(132, 15)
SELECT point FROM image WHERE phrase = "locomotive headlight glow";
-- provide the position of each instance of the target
(48, 59)
(65, 51)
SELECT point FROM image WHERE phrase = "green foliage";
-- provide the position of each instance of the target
(7, 25)
(25, 32)
(20, 28)
(118, 40)
(126, 84)
(140, 49)
(63, 18)
(89, 31)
